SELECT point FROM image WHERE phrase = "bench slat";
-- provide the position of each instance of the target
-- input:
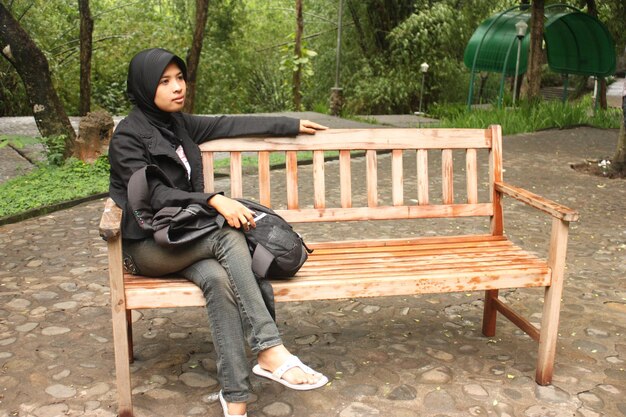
(397, 178)
(207, 172)
(236, 175)
(358, 139)
(264, 179)
(333, 214)
(345, 179)
(319, 188)
(291, 164)
(471, 168)
(422, 177)
(447, 175)
(408, 241)
(410, 284)
(372, 178)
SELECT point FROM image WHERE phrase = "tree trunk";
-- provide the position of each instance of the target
(297, 74)
(193, 59)
(86, 42)
(532, 81)
(32, 66)
(359, 29)
(592, 10)
(619, 159)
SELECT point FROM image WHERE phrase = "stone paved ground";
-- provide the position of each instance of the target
(394, 357)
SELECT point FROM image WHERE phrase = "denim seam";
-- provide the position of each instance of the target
(217, 337)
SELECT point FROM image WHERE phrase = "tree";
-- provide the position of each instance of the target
(592, 10)
(193, 59)
(32, 66)
(297, 73)
(619, 159)
(532, 81)
(86, 47)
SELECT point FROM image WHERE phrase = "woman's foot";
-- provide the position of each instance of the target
(233, 409)
(297, 374)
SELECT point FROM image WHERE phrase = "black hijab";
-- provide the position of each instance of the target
(144, 73)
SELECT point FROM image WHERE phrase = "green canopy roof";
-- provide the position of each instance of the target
(576, 43)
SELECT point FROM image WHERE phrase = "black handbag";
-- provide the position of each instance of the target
(172, 226)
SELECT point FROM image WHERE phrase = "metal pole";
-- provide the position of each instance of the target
(422, 92)
(519, 49)
(595, 94)
(336, 92)
(506, 61)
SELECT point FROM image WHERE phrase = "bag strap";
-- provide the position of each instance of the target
(139, 199)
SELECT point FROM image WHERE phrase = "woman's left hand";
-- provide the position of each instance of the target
(309, 127)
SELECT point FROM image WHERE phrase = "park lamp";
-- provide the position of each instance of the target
(521, 28)
(423, 69)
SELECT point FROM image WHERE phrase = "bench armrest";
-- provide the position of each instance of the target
(552, 208)
(111, 220)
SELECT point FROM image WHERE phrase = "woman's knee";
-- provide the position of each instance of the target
(209, 275)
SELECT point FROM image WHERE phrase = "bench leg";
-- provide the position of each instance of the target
(129, 330)
(490, 313)
(120, 328)
(552, 303)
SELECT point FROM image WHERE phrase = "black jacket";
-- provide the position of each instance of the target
(136, 143)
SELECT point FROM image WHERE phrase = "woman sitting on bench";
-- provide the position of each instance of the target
(156, 132)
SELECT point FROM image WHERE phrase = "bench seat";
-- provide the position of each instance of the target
(355, 269)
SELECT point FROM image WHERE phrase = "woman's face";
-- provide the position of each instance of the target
(170, 93)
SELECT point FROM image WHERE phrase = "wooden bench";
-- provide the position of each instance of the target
(486, 261)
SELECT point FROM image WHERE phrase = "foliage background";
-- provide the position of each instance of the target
(247, 56)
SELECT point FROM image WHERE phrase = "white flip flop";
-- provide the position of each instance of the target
(225, 407)
(292, 362)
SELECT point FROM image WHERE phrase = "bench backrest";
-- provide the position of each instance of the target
(410, 195)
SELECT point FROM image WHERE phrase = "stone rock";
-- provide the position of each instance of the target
(475, 390)
(52, 410)
(591, 400)
(54, 331)
(551, 394)
(61, 391)
(98, 389)
(439, 375)
(18, 304)
(307, 340)
(66, 305)
(94, 134)
(27, 327)
(194, 379)
(58, 376)
(277, 409)
(439, 401)
(8, 341)
(402, 393)
(439, 354)
(358, 391)
(543, 411)
(359, 410)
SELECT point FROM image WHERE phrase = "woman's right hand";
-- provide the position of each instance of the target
(236, 214)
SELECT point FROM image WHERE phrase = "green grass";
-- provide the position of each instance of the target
(529, 118)
(50, 184)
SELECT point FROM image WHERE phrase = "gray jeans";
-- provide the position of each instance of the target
(220, 264)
